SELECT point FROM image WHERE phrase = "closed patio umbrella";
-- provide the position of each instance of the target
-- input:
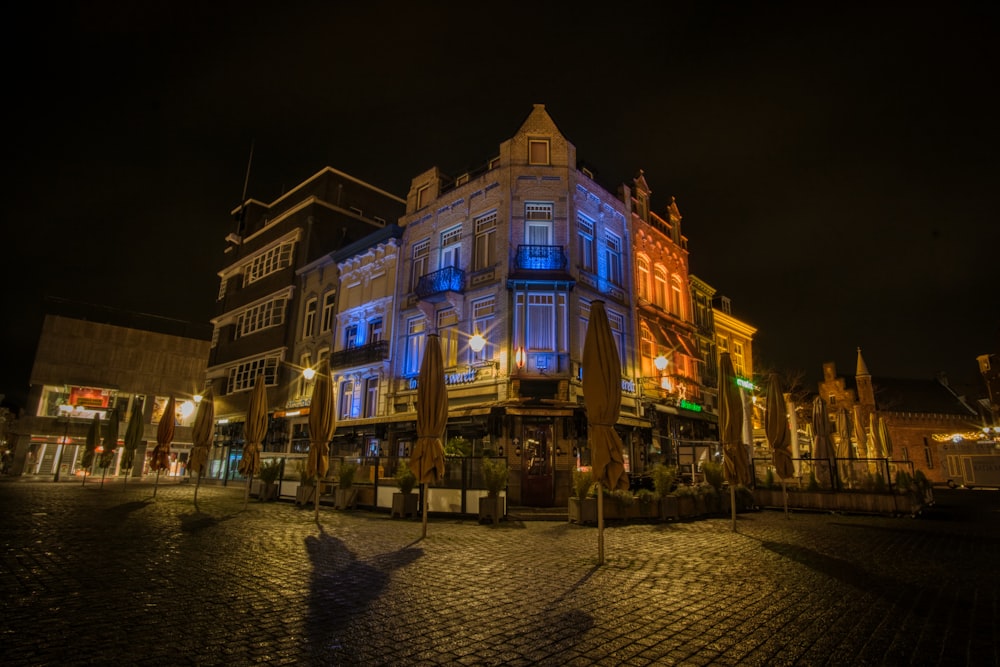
(602, 397)
(883, 432)
(778, 434)
(93, 439)
(427, 459)
(859, 434)
(322, 423)
(736, 463)
(822, 450)
(160, 459)
(201, 439)
(254, 432)
(133, 438)
(110, 444)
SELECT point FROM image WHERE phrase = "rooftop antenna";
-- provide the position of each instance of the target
(240, 222)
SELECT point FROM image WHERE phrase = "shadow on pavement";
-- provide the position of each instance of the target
(342, 588)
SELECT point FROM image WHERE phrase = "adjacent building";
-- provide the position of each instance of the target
(274, 319)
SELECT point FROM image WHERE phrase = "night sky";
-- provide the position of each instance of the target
(835, 168)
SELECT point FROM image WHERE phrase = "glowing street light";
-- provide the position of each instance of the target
(477, 342)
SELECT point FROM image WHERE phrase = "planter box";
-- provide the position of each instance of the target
(686, 506)
(345, 498)
(404, 504)
(583, 511)
(852, 502)
(491, 509)
(305, 494)
(670, 508)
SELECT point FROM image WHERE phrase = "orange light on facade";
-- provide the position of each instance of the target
(519, 357)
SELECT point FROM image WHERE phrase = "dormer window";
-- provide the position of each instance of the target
(538, 151)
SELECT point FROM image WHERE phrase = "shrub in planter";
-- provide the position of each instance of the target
(269, 473)
(710, 496)
(769, 479)
(404, 503)
(583, 482)
(663, 479)
(406, 480)
(345, 494)
(713, 474)
(495, 473)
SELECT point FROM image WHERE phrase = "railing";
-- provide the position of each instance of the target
(448, 279)
(458, 492)
(362, 354)
(540, 257)
(838, 474)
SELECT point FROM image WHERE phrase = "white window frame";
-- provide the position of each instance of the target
(486, 238)
(329, 311)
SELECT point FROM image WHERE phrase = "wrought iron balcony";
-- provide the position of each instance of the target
(363, 354)
(448, 279)
(541, 257)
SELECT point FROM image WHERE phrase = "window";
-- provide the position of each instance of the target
(374, 330)
(613, 258)
(538, 151)
(660, 287)
(261, 316)
(647, 349)
(350, 336)
(415, 341)
(585, 230)
(676, 306)
(243, 376)
(346, 399)
(421, 253)
(541, 322)
(738, 361)
(305, 386)
(309, 325)
(371, 397)
(329, 309)
(617, 323)
(423, 196)
(451, 247)
(268, 262)
(538, 223)
(447, 323)
(486, 239)
(642, 277)
(483, 312)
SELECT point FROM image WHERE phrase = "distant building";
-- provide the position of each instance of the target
(919, 414)
(96, 361)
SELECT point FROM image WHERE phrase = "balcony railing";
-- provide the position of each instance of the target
(363, 354)
(448, 279)
(541, 257)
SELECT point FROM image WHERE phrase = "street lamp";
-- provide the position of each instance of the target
(477, 342)
(519, 357)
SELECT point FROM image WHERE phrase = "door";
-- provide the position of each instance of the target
(538, 489)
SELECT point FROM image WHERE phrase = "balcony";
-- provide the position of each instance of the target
(363, 354)
(541, 258)
(434, 286)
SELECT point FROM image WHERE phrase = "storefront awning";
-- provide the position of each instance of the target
(679, 341)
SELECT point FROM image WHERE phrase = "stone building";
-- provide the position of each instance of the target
(916, 413)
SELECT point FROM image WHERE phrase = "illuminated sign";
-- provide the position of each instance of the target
(688, 405)
(746, 384)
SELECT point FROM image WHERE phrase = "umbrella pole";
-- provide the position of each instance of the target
(197, 483)
(600, 525)
(156, 484)
(246, 491)
(424, 508)
(732, 503)
(316, 498)
(784, 494)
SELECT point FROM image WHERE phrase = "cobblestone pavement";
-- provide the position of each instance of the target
(112, 575)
